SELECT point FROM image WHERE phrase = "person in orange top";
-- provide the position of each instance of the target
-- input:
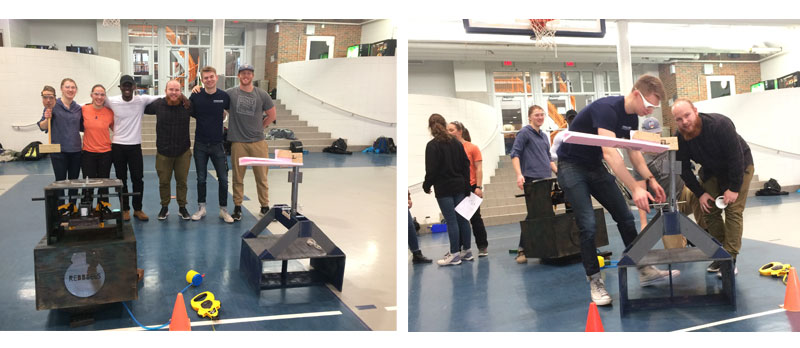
(96, 159)
(461, 133)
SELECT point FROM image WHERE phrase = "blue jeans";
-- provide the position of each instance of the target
(413, 244)
(216, 152)
(66, 165)
(580, 183)
(458, 228)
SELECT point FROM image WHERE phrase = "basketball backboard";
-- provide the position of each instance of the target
(563, 27)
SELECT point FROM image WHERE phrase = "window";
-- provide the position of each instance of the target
(512, 82)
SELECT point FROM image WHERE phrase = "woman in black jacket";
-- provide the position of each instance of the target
(447, 170)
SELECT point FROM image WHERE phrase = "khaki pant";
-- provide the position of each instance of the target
(690, 205)
(728, 231)
(165, 165)
(254, 149)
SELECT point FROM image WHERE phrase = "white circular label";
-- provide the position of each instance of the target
(83, 279)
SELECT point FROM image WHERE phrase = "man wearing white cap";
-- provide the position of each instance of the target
(711, 141)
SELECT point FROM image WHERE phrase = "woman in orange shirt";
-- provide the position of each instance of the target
(461, 133)
(96, 159)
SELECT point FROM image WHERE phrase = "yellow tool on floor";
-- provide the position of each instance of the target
(205, 305)
(776, 269)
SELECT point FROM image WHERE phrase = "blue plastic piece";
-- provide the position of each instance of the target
(436, 228)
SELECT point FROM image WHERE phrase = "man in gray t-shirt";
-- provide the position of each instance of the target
(251, 111)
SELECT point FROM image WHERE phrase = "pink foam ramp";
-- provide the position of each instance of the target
(599, 140)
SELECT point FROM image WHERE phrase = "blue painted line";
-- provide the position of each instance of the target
(361, 308)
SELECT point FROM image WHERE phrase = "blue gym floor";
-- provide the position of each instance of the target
(166, 251)
(494, 293)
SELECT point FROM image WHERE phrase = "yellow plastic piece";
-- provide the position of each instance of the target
(205, 305)
(601, 261)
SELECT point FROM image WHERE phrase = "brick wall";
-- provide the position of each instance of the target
(289, 44)
(689, 81)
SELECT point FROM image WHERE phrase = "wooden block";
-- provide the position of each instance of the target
(672, 142)
(297, 157)
(77, 274)
(49, 148)
(646, 136)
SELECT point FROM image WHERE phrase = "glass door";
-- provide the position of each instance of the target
(514, 115)
(179, 67)
(143, 68)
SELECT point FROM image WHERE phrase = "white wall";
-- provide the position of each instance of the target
(768, 119)
(18, 33)
(780, 66)
(483, 122)
(63, 32)
(108, 34)
(432, 78)
(365, 86)
(469, 76)
(379, 30)
(23, 73)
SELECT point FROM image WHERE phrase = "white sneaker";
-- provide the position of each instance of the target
(649, 275)
(598, 290)
(735, 271)
(200, 212)
(449, 259)
(466, 255)
(223, 214)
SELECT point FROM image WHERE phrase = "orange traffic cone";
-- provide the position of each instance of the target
(180, 320)
(593, 322)
(791, 302)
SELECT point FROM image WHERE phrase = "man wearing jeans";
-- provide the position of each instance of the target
(209, 107)
(581, 175)
(711, 140)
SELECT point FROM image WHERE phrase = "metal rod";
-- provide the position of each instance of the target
(672, 205)
(295, 187)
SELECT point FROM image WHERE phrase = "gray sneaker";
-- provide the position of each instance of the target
(223, 214)
(483, 252)
(449, 259)
(200, 212)
(466, 255)
(598, 290)
(649, 275)
(713, 267)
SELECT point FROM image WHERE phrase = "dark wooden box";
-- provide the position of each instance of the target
(557, 236)
(83, 273)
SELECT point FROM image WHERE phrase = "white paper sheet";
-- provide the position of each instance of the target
(469, 206)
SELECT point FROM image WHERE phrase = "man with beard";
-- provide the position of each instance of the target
(246, 124)
(172, 144)
(126, 145)
(727, 169)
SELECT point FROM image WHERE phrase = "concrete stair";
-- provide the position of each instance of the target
(313, 140)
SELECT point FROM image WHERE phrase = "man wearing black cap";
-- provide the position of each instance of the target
(251, 111)
(126, 145)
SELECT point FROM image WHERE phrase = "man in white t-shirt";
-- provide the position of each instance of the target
(126, 145)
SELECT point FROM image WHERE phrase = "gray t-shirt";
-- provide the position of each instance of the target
(246, 114)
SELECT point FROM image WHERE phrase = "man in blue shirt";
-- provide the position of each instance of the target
(209, 112)
(530, 157)
(581, 175)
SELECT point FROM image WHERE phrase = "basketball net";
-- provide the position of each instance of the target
(111, 23)
(544, 34)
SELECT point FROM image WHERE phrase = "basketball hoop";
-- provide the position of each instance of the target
(544, 32)
(111, 23)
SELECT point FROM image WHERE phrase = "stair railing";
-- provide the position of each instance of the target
(343, 110)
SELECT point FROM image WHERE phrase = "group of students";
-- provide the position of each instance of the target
(250, 110)
(708, 139)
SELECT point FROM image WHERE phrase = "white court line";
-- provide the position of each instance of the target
(693, 328)
(392, 308)
(206, 322)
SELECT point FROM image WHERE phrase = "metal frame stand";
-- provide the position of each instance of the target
(303, 240)
(672, 222)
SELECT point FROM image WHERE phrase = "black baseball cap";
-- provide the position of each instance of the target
(126, 79)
